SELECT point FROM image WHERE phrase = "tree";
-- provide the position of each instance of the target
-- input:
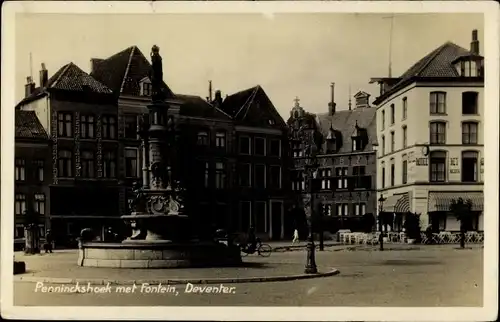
(462, 210)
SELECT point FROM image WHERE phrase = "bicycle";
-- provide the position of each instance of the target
(263, 250)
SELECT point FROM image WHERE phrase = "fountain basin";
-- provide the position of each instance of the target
(158, 254)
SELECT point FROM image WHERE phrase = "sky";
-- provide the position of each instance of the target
(290, 55)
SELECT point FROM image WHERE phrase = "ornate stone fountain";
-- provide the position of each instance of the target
(161, 235)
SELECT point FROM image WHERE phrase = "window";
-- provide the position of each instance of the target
(245, 145)
(360, 209)
(405, 170)
(220, 175)
(325, 178)
(245, 175)
(108, 127)
(42, 230)
(437, 102)
(39, 206)
(358, 173)
(275, 171)
(20, 169)
(20, 204)
(260, 217)
(109, 164)
(383, 175)
(39, 170)
(469, 166)
(469, 103)
(298, 182)
(342, 209)
(469, 133)
(246, 219)
(393, 172)
(203, 138)
(87, 163)
(341, 174)
(393, 114)
(207, 175)
(326, 209)
(65, 124)
(131, 156)
(383, 120)
(260, 176)
(220, 139)
(147, 89)
(65, 163)
(19, 231)
(405, 108)
(405, 137)
(275, 148)
(130, 126)
(383, 145)
(393, 142)
(438, 166)
(438, 133)
(260, 146)
(470, 68)
(87, 127)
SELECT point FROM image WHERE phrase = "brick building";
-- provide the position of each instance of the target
(345, 184)
(32, 173)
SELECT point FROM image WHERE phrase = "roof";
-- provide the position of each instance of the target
(195, 106)
(437, 64)
(253, 107)
(123, 71)
(345, 122)
(28, 126)
(70, 77)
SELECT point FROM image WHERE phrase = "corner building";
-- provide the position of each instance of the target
(430, 132)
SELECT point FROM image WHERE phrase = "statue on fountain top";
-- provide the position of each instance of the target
(156, 75)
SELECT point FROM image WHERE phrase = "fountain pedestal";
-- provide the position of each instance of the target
(161, 231)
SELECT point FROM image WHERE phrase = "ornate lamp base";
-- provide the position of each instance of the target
(311, 257)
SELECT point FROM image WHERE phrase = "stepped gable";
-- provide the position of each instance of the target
(345, 121)
(28, 126)
(253, 107)
(123, 72)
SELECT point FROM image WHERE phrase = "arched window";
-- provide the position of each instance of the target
(469, 166)
(437, 166)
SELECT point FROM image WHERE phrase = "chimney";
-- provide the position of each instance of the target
(210, 91)
(29, 88)
(93, 64)
(332, 104)
(362, 100)
(218, 98)
(44, 76)
(474, 45)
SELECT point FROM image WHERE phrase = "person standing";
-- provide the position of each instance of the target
(48, 241)
(295, 236)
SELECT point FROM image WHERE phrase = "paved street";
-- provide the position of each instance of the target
(431, 276)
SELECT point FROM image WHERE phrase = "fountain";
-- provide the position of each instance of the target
(161, 231)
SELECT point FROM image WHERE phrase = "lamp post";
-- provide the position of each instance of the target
(381, 201)
(311, 168)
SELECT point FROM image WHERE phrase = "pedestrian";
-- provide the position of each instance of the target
(48, 242)
(295, 236)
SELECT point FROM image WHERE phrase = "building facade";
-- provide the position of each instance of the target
(80, 118)
(430, 131)
(32, 174)
(345, 183)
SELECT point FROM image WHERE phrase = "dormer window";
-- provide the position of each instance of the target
(470, 66)
(145, 87)
(358, 139)
(333, 141)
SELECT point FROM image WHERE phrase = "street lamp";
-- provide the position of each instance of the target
(311, 168)
(381, 201)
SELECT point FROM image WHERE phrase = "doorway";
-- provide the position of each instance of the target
(276, 219)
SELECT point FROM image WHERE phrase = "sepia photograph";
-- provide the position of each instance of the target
(254, 160)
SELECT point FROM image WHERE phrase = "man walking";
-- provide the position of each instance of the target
(295, 236)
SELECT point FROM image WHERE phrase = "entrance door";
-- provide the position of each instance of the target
(276, 222)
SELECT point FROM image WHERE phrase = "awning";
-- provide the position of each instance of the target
(399, 203)
(441, 201)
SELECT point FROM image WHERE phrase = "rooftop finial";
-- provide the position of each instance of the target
(156, 74)
(297, 100)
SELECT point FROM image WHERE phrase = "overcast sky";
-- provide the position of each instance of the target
(288, 55)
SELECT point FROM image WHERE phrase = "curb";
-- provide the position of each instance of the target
(174, 281)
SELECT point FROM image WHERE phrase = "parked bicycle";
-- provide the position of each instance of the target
(261, 249)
